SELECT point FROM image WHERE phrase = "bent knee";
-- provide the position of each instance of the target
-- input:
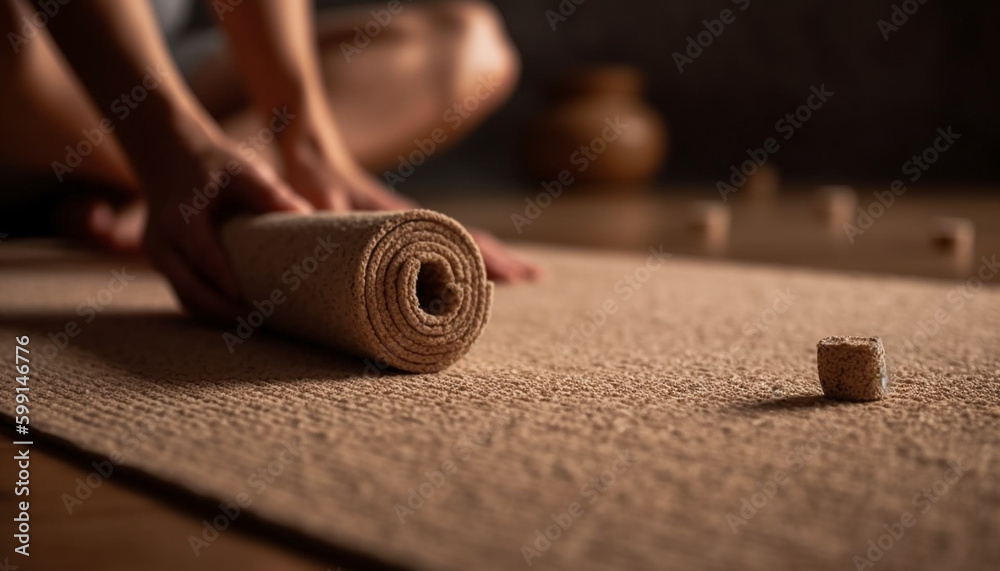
(487, 62)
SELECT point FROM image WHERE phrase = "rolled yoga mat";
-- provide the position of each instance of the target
(402, 289)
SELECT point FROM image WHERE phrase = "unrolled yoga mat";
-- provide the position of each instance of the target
(665, 411)
(403, 289)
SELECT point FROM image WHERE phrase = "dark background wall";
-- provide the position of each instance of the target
(940, 68)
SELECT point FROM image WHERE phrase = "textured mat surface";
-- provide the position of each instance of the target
(404, 289)
(650, 406)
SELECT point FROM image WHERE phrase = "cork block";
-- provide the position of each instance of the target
(709, 222)
(852, 368)
(763, 185)
(835, 205)
(953, 235)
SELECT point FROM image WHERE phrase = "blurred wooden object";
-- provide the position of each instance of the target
(952, 234)
(709, 223)
(956, 238)
(763, 185)
(599, 129)
(835, 206)
(786, 232)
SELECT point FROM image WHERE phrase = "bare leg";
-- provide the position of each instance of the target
(45, 104)
(397, 89)
(403, 85)
(400, 86)
(45, 107)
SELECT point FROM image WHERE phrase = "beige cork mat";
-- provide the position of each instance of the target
(640, 403)
(406, 290)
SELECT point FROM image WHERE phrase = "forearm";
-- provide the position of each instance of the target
(273, 45)
(118, 53)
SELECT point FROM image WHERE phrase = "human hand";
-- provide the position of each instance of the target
(329, 179)
(190, 189)
(320, 170)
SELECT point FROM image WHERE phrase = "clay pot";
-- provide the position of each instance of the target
(599, 128)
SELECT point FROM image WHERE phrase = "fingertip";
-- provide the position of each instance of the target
(502, 271)
(100, 218)
(295, 203)
(339, 202)
(272, 193)
(538, 273)
(531, 271)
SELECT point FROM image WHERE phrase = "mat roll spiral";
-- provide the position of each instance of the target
(403, 289)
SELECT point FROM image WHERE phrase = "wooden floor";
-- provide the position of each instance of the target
(118, 527)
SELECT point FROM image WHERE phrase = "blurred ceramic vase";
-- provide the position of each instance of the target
(599, 129)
